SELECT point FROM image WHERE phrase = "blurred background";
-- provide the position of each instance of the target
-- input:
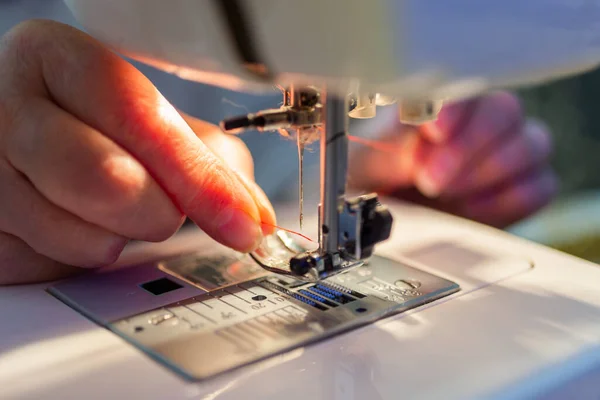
(569, 107)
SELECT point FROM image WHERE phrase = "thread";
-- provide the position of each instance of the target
(374, 144)
(289, 231)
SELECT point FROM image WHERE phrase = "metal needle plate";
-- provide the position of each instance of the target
(240, 316)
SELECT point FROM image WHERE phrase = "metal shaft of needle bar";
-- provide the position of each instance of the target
(334, 166)
(301, 176)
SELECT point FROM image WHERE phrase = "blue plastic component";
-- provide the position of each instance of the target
(313, 296)
(331, 293)
(328, 290)
(323, 293)
(304, 300)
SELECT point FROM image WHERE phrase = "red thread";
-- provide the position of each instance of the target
(289, 231)
(374, 144)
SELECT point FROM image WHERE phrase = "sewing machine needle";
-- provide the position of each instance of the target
(300, 175)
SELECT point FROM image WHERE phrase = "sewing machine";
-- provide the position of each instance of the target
(443, 308)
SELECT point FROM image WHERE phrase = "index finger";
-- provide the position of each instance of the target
(109, 94)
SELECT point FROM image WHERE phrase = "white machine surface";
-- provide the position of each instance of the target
(435, 48)
(499, 317)
(526, 323)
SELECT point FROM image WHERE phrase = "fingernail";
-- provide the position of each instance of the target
(433, 132)
(267, 214)
(265, 209)
(433, 179)
(409, 148)
(427, 186)
(239, 230)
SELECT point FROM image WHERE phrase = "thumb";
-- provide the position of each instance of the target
(232, 151)
(110, 95)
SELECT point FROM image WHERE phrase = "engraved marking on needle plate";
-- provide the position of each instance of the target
(241, 298)
(202, 315)
(254, 323)
(231, 305)
(245, 329)
(242, 344)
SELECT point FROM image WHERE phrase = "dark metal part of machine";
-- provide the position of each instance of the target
(302, 263)
(375, 222)
(363, 223)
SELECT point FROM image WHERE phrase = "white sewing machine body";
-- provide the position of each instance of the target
(525, 321)
(433, 48)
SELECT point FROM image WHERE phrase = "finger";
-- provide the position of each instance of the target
(87, 174)
(236, 155)
(495, 115)
(267, 213)
(513, 202)
(110, 95)
(48, 229)
(19, 264)
(522, 152)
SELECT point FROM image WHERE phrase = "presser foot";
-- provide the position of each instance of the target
(363, 223)
(280, 253)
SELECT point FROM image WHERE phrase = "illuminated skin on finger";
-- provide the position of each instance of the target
(106, 93)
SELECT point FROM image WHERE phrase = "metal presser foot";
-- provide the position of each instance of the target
(349, 228)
